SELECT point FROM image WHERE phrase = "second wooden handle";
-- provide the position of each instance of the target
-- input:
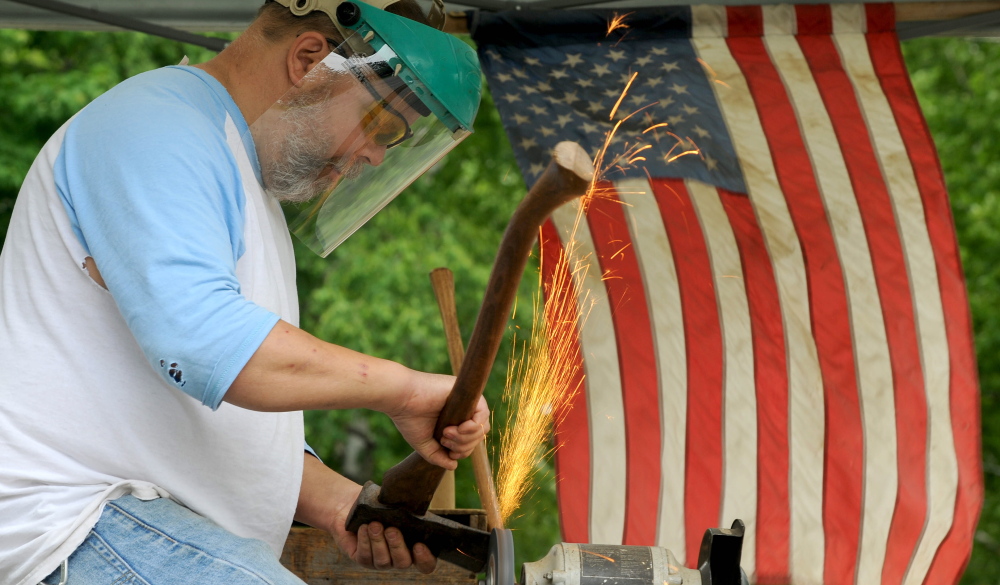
(443, 282)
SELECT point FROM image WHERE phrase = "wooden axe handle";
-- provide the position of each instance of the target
(443, 282)
(410, 484)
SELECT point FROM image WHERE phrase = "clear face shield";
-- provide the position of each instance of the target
(342, 143)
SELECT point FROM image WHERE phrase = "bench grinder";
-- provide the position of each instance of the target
(606, 564)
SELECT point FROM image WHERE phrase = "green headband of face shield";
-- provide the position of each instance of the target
(411, 67)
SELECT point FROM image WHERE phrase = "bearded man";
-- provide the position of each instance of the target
(154, 374)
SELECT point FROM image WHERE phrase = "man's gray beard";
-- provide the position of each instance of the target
(293, 176)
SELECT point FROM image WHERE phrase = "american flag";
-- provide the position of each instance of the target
(780, 331)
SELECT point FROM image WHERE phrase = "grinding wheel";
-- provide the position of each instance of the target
(500, 562)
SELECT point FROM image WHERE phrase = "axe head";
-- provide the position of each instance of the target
(456, 543)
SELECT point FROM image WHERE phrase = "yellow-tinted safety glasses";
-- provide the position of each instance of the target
(382, 123)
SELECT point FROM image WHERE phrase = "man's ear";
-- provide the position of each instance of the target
(308, 49)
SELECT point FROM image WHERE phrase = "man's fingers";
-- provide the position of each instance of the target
(381, 558)
(423, 559)
(363, 554)
(401, 558)
(462, 439)
(443, 459)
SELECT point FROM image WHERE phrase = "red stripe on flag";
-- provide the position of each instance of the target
(893, 284)
(744, 21)
(703, 340)
(953, 554)
(813, 19)
(771, 381)
(572, 457)
(844, 457)
(882, 18)
(637, 358)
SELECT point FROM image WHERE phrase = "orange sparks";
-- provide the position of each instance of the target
(621, 252)
(617, 22)
(544, 373)
(541, 381)
(711, 72)
(622, 96)
(712, 75)
(590, 552)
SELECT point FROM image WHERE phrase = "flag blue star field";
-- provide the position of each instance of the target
(567, 91)
(777, 324)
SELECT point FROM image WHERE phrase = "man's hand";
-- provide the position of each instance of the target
(325, 500)
(417, 415)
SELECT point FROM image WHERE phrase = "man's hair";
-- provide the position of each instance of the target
(278, 22)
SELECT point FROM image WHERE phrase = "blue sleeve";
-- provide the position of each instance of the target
(155, 196)
(312, 452)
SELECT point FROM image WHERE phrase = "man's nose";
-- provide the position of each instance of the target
(373, 154)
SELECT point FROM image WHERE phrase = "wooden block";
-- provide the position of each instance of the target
(313, 556)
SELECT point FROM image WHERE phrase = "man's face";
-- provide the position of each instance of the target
(306, 146)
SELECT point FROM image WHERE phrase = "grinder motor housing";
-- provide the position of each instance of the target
(606, 564)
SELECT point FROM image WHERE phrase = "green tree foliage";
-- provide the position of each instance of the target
(372, 294)
(46, 77)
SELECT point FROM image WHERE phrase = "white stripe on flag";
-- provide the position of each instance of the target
(848, 19)
(942, 468)
(739, 406)
(806, 401)
(779, 19)
(867, 327)
(656, 261)
(605, 409)
(709, 21)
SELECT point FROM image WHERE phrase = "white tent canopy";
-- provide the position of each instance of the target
(954, 17)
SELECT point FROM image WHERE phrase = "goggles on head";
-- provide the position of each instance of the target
(385, 105)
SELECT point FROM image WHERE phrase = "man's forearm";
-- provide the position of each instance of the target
(292, 370)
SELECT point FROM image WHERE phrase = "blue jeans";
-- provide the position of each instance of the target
(160, 542)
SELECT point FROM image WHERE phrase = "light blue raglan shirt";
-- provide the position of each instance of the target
(105, 392)
(167, 248)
